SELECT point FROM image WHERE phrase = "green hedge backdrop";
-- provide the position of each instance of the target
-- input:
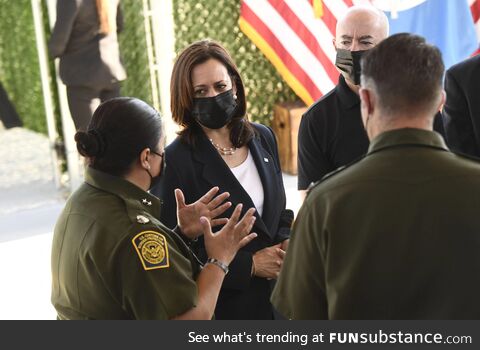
(194, 20)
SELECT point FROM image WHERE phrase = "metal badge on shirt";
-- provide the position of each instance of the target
(152, 249)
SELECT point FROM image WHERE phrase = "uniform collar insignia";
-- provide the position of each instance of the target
(146, 202)
(135, 198)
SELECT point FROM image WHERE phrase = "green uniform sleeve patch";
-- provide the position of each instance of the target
(152, 249)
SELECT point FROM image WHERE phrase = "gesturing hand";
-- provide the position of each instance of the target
(224, 244)
(208, 206)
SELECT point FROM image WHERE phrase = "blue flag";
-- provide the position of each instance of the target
(447, 24)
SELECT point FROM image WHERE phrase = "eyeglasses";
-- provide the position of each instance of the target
(163, 159)
(159, 154)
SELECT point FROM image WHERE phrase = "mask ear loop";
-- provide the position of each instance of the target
(147, 168)
(149, 174)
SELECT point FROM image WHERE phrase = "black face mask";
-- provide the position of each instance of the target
(348, 63)
(155, 180)
(214, 112)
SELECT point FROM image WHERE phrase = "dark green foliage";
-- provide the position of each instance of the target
(19, 71)
(133, 49)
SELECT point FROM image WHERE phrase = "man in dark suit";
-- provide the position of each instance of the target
(461, 114)
(85, 40)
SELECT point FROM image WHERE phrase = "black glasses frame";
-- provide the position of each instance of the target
(163, 159)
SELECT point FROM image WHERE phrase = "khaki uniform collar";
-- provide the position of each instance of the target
(136, 199)
(407, 137)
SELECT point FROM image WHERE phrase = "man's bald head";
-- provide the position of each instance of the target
(361, 28)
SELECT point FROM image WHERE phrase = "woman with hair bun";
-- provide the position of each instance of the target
(111, 257)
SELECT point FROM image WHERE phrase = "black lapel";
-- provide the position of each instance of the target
(216, 173)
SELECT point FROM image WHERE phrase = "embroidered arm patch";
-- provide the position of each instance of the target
(152, 249)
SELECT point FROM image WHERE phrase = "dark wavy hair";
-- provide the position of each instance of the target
(182, 92)
(118, 132)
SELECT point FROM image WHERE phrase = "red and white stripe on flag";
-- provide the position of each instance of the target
(296, 36)
(297, 43)
(475, 7)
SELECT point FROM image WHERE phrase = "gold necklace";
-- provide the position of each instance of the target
(224, 151)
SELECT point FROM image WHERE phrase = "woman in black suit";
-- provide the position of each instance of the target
(218, 146)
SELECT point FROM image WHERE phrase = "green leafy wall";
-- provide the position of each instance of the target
(194, 20)
(133, 50)
(20, 73)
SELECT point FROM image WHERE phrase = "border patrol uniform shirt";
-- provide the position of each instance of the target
(113, 259)
(394, 236)
(331, 135)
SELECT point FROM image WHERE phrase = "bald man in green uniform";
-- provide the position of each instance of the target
(397, 234)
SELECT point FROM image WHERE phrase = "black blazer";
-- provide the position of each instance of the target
(195, 170)
(461, 114)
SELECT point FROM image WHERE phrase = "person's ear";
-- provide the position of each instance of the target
(366, 99)
(367, 105)
(144, 158)
(443, 99)
(334, 42)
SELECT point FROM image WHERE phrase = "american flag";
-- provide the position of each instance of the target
(296, 36)
(475, 8)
